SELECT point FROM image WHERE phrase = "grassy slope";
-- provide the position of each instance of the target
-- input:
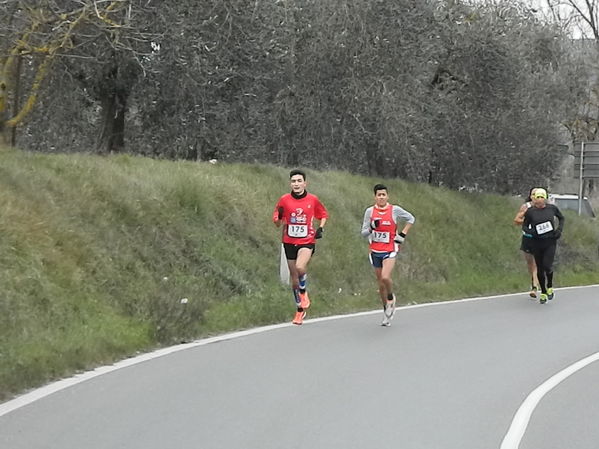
(96, 253)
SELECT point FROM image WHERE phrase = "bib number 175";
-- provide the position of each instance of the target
(380, 237)
(294, 230)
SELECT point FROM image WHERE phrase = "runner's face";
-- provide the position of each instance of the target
(538, 202)
(381, 198)
(298, 184)
(532, 193)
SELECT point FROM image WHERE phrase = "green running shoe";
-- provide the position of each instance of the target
(550, 294)
(543, 298)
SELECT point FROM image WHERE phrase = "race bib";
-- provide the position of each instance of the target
(295, 230)
(544, 228)
(380, 237)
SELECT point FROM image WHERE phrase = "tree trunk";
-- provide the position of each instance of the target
(16, 100)
(374, 157)
(112, 136)
(4, 138)
(4, 130)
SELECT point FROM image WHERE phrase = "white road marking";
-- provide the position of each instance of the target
(522, 417)
(54, 387)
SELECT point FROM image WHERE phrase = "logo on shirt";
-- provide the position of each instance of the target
(298, 216)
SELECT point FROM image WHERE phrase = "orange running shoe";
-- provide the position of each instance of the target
(299, 317)
(304, 300)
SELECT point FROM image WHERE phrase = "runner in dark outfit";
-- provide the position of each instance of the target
(543, 223)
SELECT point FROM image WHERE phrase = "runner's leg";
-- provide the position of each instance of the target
(548, 258)
(538, 255)
(532, 269)
(303, 258)
(294, 277)
(386, 272)
(382, 288)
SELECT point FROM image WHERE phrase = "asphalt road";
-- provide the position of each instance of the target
(445, 376)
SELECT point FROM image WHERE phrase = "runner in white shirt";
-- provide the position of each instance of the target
(380, 225)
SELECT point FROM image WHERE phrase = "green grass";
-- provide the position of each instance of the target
(97, 252)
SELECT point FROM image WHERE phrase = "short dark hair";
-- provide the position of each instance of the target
(380, 187)
(297, 171)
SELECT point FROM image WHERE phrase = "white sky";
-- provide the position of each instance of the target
(566, 10)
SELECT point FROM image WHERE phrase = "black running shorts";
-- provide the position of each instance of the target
(526, 244)
(291, 249)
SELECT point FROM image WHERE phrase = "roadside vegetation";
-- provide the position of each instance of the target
(96, 254)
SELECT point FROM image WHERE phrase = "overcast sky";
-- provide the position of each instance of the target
(565, 10)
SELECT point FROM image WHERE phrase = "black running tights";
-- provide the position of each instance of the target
(544, 253)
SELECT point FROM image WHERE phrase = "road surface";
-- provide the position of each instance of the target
(443, 376)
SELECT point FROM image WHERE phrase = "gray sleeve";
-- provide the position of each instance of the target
(403, 215)
(365, 232)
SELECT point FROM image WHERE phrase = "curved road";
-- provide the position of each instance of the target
(443, 376)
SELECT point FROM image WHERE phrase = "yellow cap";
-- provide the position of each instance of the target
(540, 193)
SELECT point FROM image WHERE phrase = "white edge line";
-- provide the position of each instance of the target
(62, 384)
(522, 417)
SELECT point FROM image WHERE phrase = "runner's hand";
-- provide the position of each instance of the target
(557, 234)
(280, 211)
(318, 234)
(400, 238)
(375, 223)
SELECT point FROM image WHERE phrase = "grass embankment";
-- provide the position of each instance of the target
(96, 253)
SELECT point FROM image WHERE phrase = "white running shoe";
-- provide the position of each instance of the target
(390, 308)
(386, 321)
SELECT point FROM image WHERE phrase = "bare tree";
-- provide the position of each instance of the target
(37, 34)
(579, 17)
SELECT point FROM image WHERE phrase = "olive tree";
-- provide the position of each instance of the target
(52, 39)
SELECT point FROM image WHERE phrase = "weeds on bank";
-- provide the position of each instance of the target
(97, 254)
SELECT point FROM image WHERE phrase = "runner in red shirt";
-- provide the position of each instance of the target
(380, 225)
(296, 211)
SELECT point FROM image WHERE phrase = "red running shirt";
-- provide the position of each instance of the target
(382, 238)
(297, 217)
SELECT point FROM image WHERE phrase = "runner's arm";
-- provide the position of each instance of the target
(406, 229)
(400, 214)
(561, 218)
(519, 218)
(526, 219)
(278, 215)
(366, 229)
(320, 213)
